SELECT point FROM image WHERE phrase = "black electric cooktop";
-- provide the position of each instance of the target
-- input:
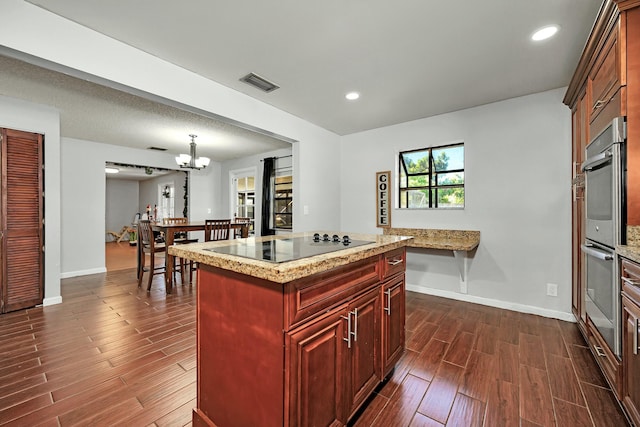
(283, 250)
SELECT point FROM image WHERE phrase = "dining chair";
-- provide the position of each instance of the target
(216, 229)
(149, 247)
(181, 238)
(237, 232)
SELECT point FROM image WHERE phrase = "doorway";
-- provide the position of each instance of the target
(130, 190)
(243, 195)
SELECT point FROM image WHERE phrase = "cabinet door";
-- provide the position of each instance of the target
(318, 365)
(580, 137)
(393, 302)
(631, 359)
(605, 77)
(364, 354)
(21, 218)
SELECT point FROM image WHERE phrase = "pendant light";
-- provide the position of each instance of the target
(191, 161)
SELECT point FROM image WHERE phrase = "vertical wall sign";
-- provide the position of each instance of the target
(383, 199)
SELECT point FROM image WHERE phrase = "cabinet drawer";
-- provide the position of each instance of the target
(393, 262)
(615, 107)
(607, 361)
(630, 278)
(318, 293)
(604, 79)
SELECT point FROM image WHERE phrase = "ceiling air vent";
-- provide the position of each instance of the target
(156, 148)
(259, 82)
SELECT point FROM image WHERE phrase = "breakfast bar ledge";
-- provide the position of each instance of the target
(461, 242)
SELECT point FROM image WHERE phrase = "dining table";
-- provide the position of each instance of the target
(169, 231)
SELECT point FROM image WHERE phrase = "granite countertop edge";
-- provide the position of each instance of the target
(630, 252)
(433, 238)
(292, 270)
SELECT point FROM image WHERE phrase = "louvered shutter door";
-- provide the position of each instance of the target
(23, 256)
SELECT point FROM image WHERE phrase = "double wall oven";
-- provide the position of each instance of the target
(605, 182)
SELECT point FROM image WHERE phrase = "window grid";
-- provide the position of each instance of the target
(428, 181)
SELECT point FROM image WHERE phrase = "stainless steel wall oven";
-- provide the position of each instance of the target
(605, 206)
(605, 181)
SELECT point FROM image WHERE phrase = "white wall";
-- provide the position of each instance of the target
(250, 162)
(516, 151)
(84, 193)
(26, 116)
(121, 205)
(30, 32)
(517, 189)
(148, 192)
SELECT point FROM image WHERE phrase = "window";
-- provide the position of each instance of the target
(245, 199)
(431, 178)
(167, 200)
(283, 202)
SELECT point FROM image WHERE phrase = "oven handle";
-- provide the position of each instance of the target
(596, 253)
(596, 160)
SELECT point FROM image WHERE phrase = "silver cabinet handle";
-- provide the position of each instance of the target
(601, 255)
(635, 335)
(348, 338)
(388, 307)
(599, 351)
(632, 282)
(394, 262)
(599, 103)
(355, 324)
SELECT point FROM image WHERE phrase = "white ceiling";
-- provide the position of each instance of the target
(92, 112)
(409, 58)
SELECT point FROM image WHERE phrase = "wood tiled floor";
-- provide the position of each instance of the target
(120, 256)
(111, 354)
(471, 365)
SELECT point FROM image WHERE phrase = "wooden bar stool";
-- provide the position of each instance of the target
(181, 238)
(216, 229)
(151, 248)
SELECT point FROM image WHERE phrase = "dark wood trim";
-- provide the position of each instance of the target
(627, 4)
(605, 22)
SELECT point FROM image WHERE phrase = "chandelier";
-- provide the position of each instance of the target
(190, 160)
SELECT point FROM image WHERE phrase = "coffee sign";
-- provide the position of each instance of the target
(383, 199)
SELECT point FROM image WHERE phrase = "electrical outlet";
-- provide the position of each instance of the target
(552, 289)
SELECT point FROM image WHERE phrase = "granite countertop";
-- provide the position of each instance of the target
(432, 238)
(287, 271)
(629, 252)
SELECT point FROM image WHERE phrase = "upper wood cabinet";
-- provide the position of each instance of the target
(606, 76)
(609, 68)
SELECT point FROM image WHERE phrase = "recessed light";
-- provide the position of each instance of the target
(545, 32)
(352, 96)
(111, 170)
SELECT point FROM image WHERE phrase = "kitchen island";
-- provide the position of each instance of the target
(292, 331)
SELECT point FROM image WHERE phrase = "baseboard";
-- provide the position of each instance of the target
(83, 272)
(52, 301)
(568, 317)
